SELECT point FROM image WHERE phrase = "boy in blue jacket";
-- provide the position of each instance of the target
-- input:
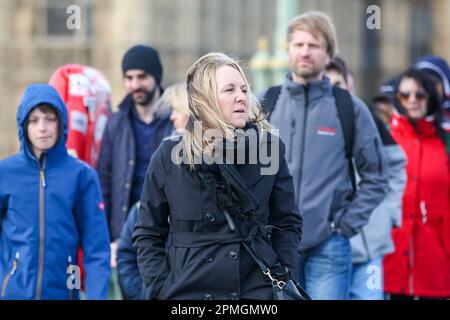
(50, 203)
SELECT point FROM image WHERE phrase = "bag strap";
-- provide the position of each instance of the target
(346, 114)
(235, 180)
(269, 100)
(264, 269)
(261, 264)
(231, 175)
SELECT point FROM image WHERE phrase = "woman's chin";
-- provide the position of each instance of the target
(239, 123)
(415, 116)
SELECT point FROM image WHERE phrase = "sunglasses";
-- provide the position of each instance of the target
(420, 95)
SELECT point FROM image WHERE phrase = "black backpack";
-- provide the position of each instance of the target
(346, 114)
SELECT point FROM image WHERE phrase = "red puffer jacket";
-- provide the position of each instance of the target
(87, 95)
(420, 266)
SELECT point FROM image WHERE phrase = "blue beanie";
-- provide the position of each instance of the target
(144, 58)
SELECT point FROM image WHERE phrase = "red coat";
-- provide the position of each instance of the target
(87, 95)
(420, 266)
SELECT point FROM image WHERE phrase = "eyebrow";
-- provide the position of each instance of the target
(233, 84)
(46, 115)
(227, 85)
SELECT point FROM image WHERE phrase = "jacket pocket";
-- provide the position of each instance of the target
(178, 260)
(10, 274)
(340, 200)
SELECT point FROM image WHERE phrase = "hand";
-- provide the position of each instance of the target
(114, 246)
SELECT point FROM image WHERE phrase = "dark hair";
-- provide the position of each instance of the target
(46, 108)
(338, 64)
(433, 101)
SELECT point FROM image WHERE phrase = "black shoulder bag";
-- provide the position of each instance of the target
(283, 288)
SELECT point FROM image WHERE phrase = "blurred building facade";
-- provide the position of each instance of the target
(35, 41)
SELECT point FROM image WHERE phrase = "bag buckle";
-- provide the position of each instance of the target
(275, 282)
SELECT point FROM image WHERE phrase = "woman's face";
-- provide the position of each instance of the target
(232, 96)
(413, 98)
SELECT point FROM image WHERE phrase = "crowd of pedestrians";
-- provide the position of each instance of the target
(185, 191)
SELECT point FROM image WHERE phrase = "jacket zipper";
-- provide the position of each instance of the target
(69, 261)
(423, 211)
(42, 186)
(9, 275)
(411, 265)
(302, 146)
(292, 132)
(366, 246)
(411, 239)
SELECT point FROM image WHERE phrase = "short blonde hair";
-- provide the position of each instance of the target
(204, 107)
(174, 97)
(317, 23)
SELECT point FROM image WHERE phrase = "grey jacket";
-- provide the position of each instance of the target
(375, 239)
(315, 151)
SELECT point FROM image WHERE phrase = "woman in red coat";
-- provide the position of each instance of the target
(420, 266)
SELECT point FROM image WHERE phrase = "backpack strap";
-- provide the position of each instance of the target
(346, 114)
(270, 100)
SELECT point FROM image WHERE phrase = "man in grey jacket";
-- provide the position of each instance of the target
(306, 116)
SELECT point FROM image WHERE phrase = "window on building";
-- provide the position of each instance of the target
(421, 29)
(60, 15)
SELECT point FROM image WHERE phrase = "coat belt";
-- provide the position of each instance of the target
(202, 239)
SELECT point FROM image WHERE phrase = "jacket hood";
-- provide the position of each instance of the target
(34, 95)
(438, 66)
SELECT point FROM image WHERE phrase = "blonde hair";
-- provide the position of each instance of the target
(317, 23)
(203, 106)
(174, 97)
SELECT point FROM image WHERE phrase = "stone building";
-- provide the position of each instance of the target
(35, 39)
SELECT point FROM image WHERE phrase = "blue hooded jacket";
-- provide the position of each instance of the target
(47, 209)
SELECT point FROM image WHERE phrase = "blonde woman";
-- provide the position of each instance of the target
(178, 100)
(175, 99)
(220, 208)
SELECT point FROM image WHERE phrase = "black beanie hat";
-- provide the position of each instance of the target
(144, 58)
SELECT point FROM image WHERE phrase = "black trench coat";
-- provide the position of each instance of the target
(203, 261)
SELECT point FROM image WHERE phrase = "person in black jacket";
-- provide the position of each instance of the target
(130, 280)
(132, 135)
(217, 200)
